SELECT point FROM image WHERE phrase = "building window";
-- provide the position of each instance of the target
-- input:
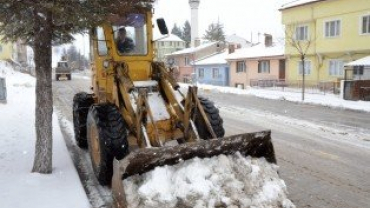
(307, 67)
(201, 73)
(332, 29)
(162, 43)
(264, 67)
(366, 24)
(240, 66)
(215, 73)
(187, 61)
(358, 70)
(336, 68)
(301, 33)
(170, 43)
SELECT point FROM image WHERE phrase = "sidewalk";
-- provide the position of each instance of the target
(21, 188)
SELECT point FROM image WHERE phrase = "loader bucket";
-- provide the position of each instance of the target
(256, 144)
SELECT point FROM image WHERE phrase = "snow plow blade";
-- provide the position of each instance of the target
(256, 144)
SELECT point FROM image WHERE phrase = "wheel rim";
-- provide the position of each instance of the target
(95, 146)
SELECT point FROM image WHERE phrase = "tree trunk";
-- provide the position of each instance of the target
(44, 97)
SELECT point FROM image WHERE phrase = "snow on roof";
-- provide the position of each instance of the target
(256, 51)
(237, 39)
(171, 37)
(360, 62)
(297, 3)
(218, 58)
(193, 49)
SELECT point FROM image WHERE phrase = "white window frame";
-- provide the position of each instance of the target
(367, 32)
(307, 70)
(243, 67)
(201, 73)
(338, 71)
(336, 28)
(264, 67)
(216, 75)
(305, 33)
(102, 45)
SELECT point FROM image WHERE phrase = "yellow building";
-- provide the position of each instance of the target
(6, 51)
(334, 32)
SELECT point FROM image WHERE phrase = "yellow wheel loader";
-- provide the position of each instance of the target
(137, 118)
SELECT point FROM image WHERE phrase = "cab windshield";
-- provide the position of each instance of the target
(130, 35)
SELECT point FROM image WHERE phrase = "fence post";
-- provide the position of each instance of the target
(2, 90)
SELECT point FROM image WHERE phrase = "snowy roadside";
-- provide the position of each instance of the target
(62, 188)
(329, 100)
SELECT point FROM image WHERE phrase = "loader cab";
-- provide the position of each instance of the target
(126, 39)
(130, 35)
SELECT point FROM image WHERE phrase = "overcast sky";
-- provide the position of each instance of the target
(240, 17)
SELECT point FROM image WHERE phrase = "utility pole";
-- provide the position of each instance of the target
(303, 75)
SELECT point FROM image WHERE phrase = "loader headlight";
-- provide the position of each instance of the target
(106, 64)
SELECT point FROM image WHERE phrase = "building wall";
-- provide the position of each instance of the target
(350, 45)
(319, 66)
(251, 72)
(293, 72)
(252, 65)
(222, 80)
(6, 51)
(238, 77)
(167, 47)
(184, 70)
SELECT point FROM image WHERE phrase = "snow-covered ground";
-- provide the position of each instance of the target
(330, 100)
(62, 188)
(19, 187)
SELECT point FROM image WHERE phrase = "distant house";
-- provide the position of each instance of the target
(6, 51)
(262, 62)
(167, 45)
(358, 70)
(213, 70)
(14, 53)
(183, 60)
(238, 41)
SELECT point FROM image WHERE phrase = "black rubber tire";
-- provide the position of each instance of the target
(57, 77)
(214, 118)
(81, 104)
(69, 76)
(111, 132)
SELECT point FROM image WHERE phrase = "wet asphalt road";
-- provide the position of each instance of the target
(323, 153)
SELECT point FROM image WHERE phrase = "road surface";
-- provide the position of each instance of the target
(323, 153)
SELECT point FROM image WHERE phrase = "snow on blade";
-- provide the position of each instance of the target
(220, 181)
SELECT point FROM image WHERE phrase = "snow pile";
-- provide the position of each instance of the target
(330, 100)
(5, 69)
(222, 181)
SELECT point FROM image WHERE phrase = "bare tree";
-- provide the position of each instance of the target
(43, 23)
(298, 37)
